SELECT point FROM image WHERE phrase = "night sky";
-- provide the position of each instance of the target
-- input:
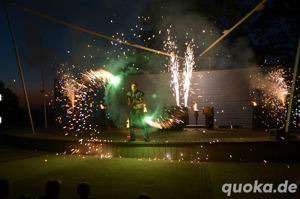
(108, 17)
(96, 15)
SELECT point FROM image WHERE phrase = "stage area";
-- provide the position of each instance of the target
(196, 145)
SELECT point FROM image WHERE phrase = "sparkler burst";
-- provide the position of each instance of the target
(102, 77)
(68, 89)
(79, 94)
(188, 70)
(175, 116)
(271, 92)
(167, 123)
(173, 66)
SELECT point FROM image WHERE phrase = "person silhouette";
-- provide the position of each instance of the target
(143, 196)
(135, 99)
(4, 188)
(25, 196)
(83, 190)
(53, 188)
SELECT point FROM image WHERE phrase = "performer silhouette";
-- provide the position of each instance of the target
(135, 99)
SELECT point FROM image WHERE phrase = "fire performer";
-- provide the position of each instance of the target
(135, 99)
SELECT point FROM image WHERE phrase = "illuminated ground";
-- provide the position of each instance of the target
(188, 135)
(237, 145)
(125, 178)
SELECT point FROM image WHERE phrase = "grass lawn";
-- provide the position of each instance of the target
(126, 178)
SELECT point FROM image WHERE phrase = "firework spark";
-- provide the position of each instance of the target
(274, 92)
(102, 76)
(175, 117)
(160, 124)
(195, 106)
(69, 90)
(173, 66)
(188, 70)
(80, 91)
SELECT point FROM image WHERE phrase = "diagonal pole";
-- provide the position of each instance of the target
(289, 113)
(226, 32)
(97, 34)
(19, 66)
(103, 36)
(43, 91)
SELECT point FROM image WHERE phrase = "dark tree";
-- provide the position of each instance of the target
(275, 35)
(9, 108)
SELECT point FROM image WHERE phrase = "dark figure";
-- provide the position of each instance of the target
(4, 188)
(53, 188)
(83, 190)
(209, 117)
(143, 196)
(135, 100)
(25, 196)
(9, 108)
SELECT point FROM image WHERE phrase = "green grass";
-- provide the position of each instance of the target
(126, 178)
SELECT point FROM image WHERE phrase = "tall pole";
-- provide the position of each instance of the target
(43, 84)
(83, 29)
(19, 66)
(295, 74)
(118, 40)
(226, 32)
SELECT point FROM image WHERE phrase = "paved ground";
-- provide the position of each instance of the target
(125, 178)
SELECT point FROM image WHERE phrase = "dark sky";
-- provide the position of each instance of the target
(96, 15)
(39, 39)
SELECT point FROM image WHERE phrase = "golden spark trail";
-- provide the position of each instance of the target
(101, 77)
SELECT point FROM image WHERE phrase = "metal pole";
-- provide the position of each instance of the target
(289, 113)
(226, 32)
(43, 85)
(19, 66)
(83, 29)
